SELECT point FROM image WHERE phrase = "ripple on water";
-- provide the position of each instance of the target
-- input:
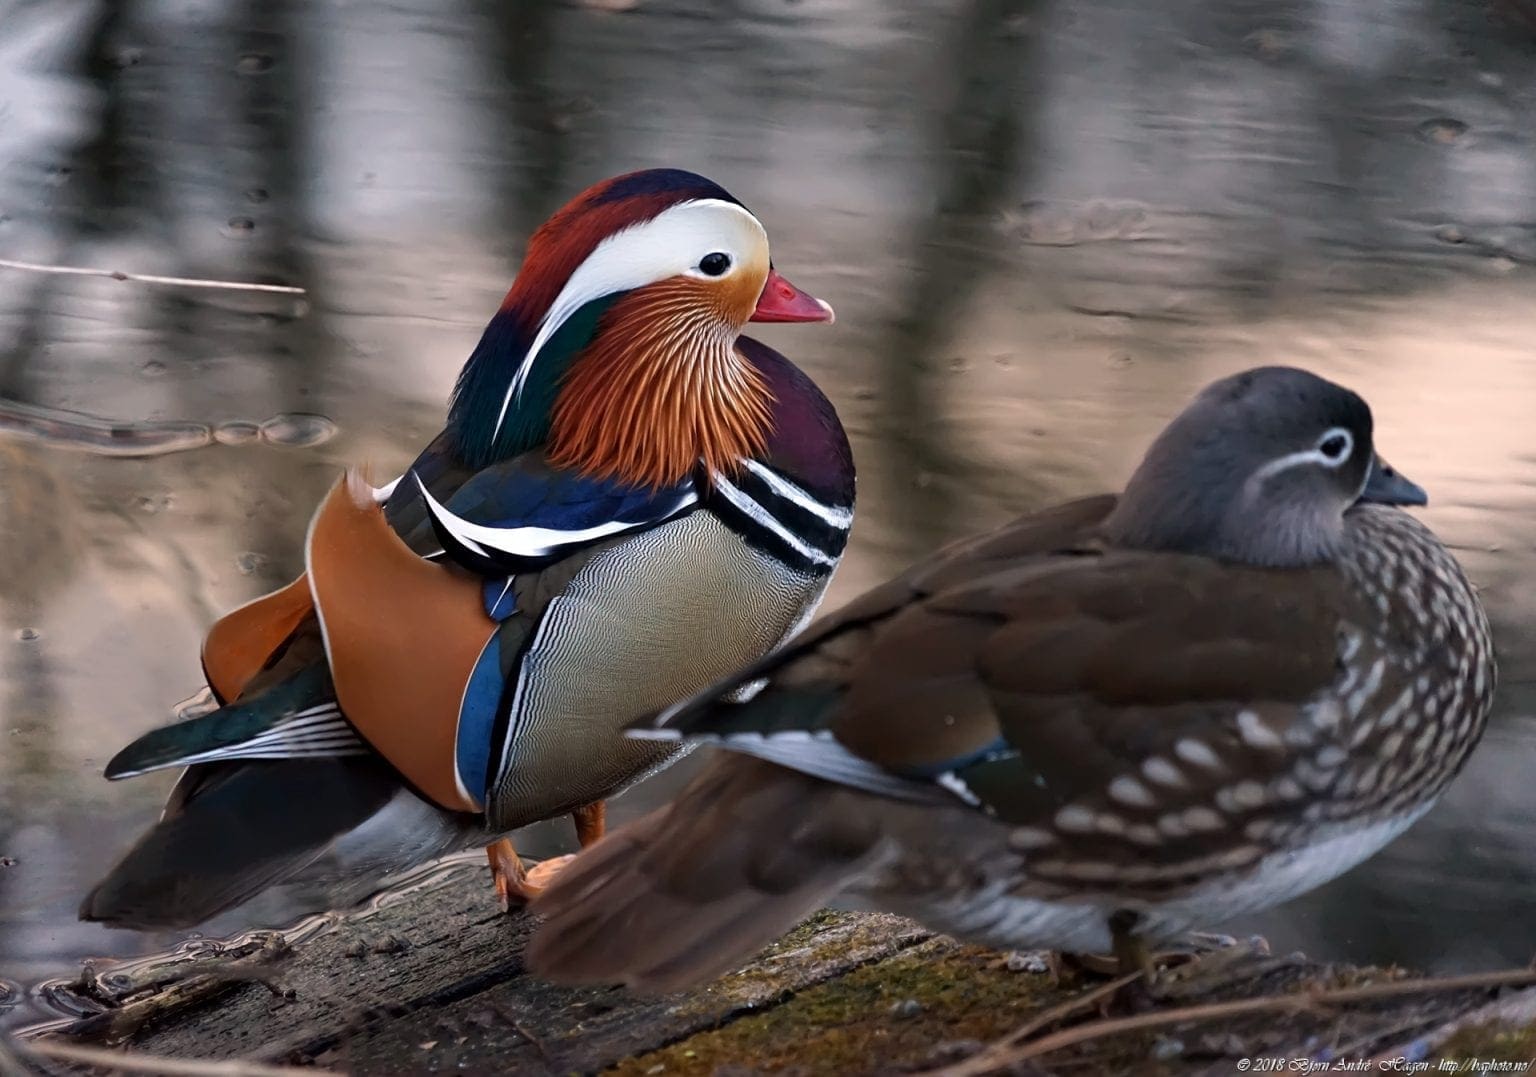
(106, 437)
(61, 1000)
(298, 430)
(102, 437)
(238, 432)
(1442, 130)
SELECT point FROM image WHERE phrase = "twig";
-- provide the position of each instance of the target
(173, 1067)
(1517, 1009)
(157, 1002)
(1300, 1000)
(991, 1057)
(255, 956)
(1355, 1048)
(153, 278)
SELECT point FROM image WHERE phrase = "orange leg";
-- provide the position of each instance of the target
(516, 885)
(509, 875)
(591, 822)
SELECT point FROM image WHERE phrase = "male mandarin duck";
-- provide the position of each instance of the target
(1095, 728)
(630, 499)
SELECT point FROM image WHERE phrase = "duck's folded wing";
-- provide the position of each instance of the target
(1114, 686)
(523, 515)
(298, 719)
(853, 627)
(438, 468)
(543, 511)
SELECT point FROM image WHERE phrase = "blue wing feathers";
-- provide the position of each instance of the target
(509, 496)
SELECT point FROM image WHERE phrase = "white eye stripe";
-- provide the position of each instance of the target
(1305, 456)
(1288, 461)
(667, 245)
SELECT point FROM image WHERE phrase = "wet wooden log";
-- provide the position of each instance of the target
(430, 979)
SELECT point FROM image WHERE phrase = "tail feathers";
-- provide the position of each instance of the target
(691, 891)
(244, 827)
(296, 718)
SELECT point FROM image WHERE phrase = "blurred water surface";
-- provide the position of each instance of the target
(1044, 224)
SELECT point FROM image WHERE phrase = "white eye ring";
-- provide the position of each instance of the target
(1335, 446)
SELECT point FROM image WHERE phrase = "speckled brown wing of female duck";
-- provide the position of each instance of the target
(1108, 722)
(629, 501)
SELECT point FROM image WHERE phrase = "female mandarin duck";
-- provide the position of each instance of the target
(1103, 724)
(629, 500)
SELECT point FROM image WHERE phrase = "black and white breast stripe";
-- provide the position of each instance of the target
(780, 517)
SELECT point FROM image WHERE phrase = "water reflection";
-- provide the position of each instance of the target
(1043, 223)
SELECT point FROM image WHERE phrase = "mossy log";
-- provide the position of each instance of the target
(430, 980)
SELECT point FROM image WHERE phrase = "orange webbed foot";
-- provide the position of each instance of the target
(517, 885)
(509, 875)
(591, 823)
(543, 873)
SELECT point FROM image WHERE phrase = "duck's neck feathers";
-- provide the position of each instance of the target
(1281, 534)
(660, 392)
(642, 387)
(488, 420)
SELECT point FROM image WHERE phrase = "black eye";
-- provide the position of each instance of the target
(1334, 447)
(715, 264)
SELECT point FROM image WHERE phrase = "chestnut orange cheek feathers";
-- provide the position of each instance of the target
(781, 301)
